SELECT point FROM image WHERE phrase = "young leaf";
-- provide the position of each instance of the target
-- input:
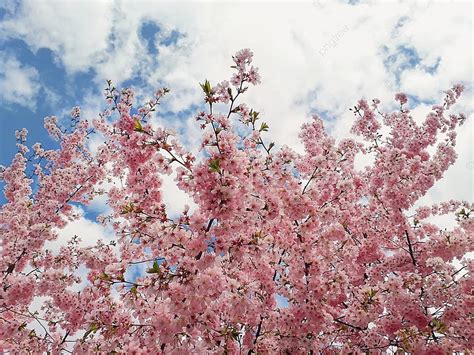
(214, 165)
(263, 127)
(206, 87)
(92, 329)
(105, 277)
(155, 269)
(138, 126)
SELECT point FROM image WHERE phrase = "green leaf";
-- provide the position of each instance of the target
(263, 127)
(270, 146)
(254, 115)
(214, 165)
(128, 208)
(138, 126)
(235, 334)
(92, 329)
(371, 293)
(105, 277)
(155, 269)
(438, 326)
(463, 214)
(206, 87)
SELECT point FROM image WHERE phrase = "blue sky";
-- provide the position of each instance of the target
(58, 90)
(315, 57)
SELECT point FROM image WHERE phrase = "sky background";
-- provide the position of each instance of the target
(315, 57)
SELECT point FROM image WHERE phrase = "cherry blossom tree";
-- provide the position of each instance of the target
(284, 253)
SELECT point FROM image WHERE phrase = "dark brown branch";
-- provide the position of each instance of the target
(338, 320)
(257, 334)
(311, 178)
(71, 196)
(410, 249)
(209, 225)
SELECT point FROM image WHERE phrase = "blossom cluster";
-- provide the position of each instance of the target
(285, 252)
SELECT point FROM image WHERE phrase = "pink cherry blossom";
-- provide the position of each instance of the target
(284, 252)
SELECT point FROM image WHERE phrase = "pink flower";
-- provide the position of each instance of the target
(276, 250)
(76, 112)
(401, 97)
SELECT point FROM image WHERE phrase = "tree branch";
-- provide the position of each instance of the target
(410, 248)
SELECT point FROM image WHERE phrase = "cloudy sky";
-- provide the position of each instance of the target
(315, 57)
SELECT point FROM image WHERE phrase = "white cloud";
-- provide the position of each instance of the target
(18, 82)
(64, 27)
(174, 198)
(88, 232)
(314, 56)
